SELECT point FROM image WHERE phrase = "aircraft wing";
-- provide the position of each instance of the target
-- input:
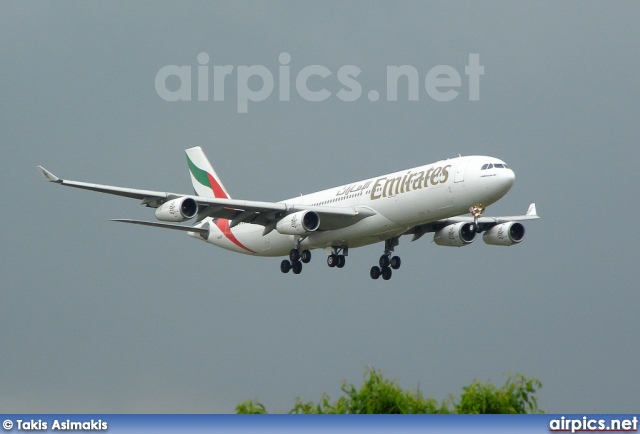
(483, 222)
(119, 191)
(238, 211)
(267, 214)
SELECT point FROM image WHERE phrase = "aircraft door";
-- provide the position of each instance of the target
(459, 175)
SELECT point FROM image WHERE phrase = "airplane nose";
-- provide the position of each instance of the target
(510, 177)
(505, 180)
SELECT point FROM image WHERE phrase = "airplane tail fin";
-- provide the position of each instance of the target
(204, 179)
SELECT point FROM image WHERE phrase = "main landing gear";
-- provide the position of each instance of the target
(337, 257)
(386, 262)
(294, 263)
(296, 258)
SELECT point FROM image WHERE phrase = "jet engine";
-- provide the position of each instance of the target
(505, 234)
(299, 223)
(455, 235)
(177, 210)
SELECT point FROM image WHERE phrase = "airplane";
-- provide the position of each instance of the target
(433, 198)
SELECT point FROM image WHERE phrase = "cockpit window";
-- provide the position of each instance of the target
(496, 165)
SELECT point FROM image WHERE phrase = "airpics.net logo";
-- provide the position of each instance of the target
(257, 83)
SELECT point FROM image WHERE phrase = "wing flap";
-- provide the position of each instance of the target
(337, 218)
(133, 193)
(264, 213)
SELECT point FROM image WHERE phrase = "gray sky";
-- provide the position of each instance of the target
(102, 317)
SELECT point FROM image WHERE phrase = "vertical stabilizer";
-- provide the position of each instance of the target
(204, 179)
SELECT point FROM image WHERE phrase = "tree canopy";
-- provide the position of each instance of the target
(379, 395)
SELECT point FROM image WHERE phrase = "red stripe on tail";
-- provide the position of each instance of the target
(218, 192)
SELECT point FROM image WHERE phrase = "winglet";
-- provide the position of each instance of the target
(48, 175)
(532, 210)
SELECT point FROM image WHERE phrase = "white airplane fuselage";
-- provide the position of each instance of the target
(400, 200)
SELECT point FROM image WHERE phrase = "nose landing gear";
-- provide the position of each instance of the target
(476, 211)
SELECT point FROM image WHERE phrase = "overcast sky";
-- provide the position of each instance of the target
(103, 317)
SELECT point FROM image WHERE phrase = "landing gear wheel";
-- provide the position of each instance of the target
(294, 255)
(476, 211)
(341, 261)
(395, 262)
(285, 266)
(332, 260)
(305, 256)
(375, 272)
(384, 261)
(386, 273)
(297, 267)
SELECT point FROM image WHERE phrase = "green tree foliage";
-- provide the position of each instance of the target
(250, 407)
(517, 396)
(379, 395)
(376, 396)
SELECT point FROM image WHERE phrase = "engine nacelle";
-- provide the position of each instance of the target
(455, 235)
(505, 234)
(299, 223)
(177, 210)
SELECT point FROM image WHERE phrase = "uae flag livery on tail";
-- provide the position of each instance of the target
(207, 184)
(205, 180)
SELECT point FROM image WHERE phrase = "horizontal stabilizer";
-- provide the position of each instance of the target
(204, 229)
